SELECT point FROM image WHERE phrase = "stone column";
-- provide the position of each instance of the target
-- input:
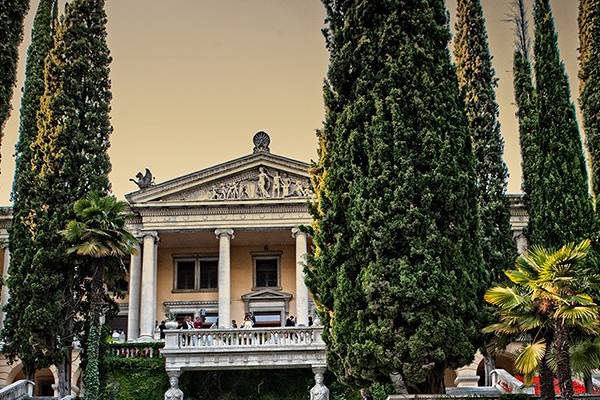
(5, 294)
(224, 276)
(148, 293)
(301, 289)
(135, 282)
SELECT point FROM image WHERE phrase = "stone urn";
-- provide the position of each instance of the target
(398, 383)
(171, 322)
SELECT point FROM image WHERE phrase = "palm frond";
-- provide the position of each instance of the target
(529, 358)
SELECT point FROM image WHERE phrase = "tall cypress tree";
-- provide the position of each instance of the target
(21, 245)
(589, 88)
(69, 160)
(12, 14)
(560, 209)
(396, 212)
(525, 98)
(477, 81)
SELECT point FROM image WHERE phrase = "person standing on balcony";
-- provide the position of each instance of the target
(198, 323)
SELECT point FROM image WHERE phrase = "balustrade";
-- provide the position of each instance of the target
(243, 338)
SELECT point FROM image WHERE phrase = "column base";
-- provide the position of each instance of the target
(144, 338)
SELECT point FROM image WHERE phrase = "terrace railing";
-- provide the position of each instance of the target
(253, 338)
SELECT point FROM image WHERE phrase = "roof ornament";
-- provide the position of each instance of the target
(261, 142)
(143, 181)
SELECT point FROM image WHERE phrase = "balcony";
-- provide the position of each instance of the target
(220, 349)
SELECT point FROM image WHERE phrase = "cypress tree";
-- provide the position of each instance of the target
(21, 245)
(397, 269)
(525, 99)
(589, 88)
(560, 209)
(12, 14)
(477, 81)
(69, 159)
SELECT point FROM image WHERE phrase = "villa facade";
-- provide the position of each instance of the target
(223, 242)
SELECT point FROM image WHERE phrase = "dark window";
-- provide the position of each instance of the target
(208, 274)
(266, 272)
(119, 323)
(267, 318)
(186, 274)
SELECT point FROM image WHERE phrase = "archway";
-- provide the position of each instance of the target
(45, 379)
(504, 360)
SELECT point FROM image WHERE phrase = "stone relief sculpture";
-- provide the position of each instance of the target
(174, 393)
(263, 185)
(263, 182)
(143, 180)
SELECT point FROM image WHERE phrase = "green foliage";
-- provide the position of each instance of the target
(526, 103)
(589, 87)
(547, 297)
(12, 14)
(100, 240)
(396, 227)
(69, 159)
(477, 81)
(21, 244)
(91, 377)
(133, 378)
(560, 210)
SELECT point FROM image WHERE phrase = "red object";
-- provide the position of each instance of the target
(578, 386)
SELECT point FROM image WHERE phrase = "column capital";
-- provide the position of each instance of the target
(224, 232)
(297, 231)
(145, 234)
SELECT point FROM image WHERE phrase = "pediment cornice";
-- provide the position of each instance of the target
(233, 181)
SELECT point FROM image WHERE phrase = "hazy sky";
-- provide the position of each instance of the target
(193, 80)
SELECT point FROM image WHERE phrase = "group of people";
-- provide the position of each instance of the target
(199, 322)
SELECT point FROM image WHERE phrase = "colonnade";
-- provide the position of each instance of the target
(142, 307)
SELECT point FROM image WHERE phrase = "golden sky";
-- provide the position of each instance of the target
(193, 80)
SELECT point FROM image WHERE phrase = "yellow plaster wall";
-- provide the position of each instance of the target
(241, 275)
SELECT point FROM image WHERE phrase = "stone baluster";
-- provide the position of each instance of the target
(224, 276)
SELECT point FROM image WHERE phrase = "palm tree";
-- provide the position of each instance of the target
(99, 237)
(546, 300)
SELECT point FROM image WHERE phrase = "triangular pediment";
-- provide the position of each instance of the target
(260, 176)
(266, 294)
